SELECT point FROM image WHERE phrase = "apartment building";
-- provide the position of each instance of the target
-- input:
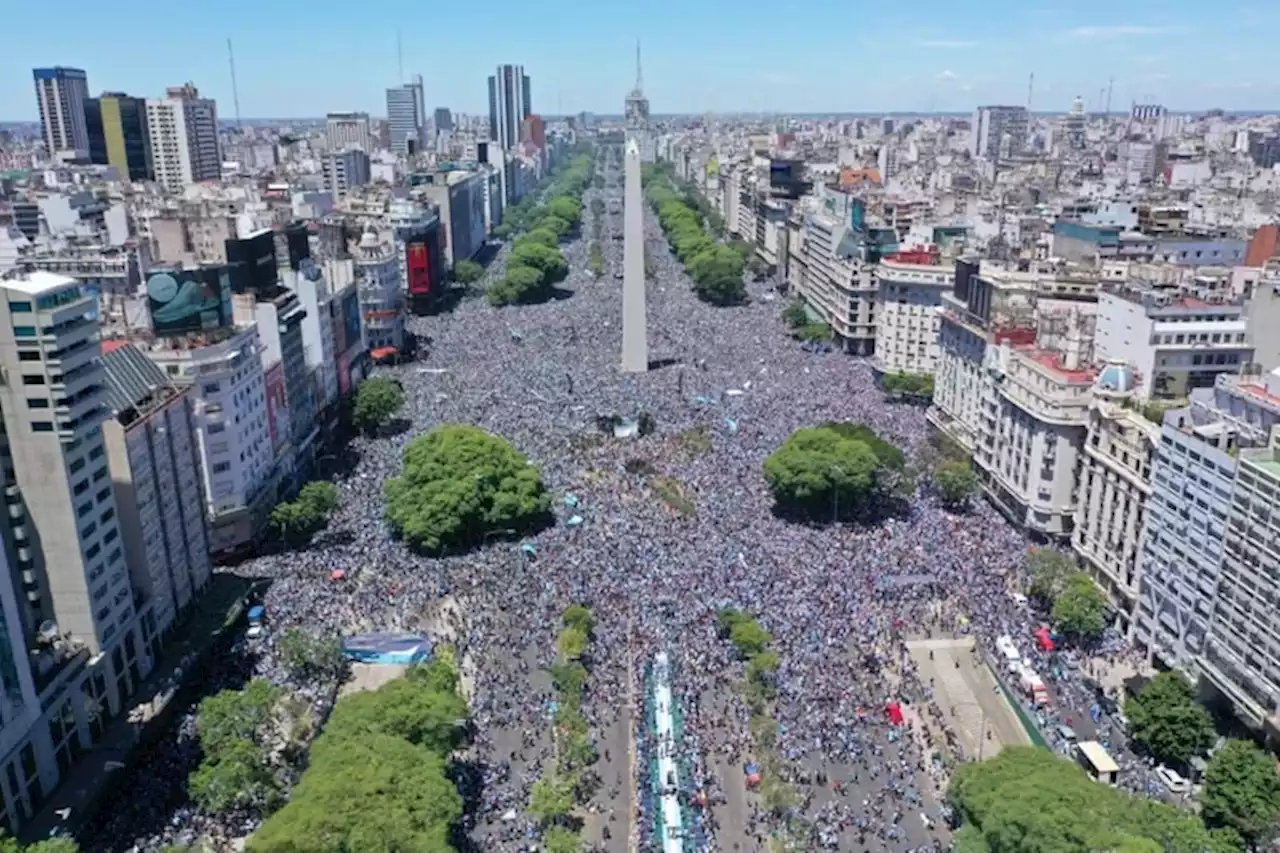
(1115, 484)
(183, 132)
(279, 322)
(1175, 341)
(910, 295)
(347, 130)
(837, 282)
(377, 269)
(343, 171)
(61, 94)
(998, 131)
(155, 472)
(224, 370)
(1033, 420)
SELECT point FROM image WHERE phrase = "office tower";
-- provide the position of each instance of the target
(60, 94)
(347, 130)
(635, 344)
(404, 118)
(443, 119)
(509, 104)
(992, 126)
(183, 129)
(155, 471)
(344, 170)
(117, 126)
(72, 569)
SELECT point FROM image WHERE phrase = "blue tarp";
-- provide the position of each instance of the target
(387, 649)
(256, 613)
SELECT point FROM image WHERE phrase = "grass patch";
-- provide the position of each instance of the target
(696, 440)
(672, 495)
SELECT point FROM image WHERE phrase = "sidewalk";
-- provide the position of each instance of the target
(80, 789)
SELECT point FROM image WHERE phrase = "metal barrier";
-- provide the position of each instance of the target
(1015, 699)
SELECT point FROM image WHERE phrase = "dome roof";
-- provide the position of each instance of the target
(1117, 376)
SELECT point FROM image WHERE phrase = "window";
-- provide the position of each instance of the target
(212, 387)
(37, 403)
(41, 426)
(99, 474)
(107, 515)
(19, 307)
(28, 355)
(214, 429)
(103, 494)
(222, 467)
(24, 331)
(32, 380)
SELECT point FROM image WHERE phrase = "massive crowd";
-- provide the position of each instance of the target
(540, 376)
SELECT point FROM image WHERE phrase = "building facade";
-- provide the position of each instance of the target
(183, 130)
(347, 130)
(118, 134)
(60, 95)
(910, 295)
(405, 118)
(510, 102)
(998, 130)
(343, 171)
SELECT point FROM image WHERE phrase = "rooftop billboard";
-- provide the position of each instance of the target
(184, 301)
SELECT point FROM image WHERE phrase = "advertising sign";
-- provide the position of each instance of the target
(183, 301)
(418, 266)
(350, 321)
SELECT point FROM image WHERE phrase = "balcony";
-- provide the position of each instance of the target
(74, 407)
(76, 355)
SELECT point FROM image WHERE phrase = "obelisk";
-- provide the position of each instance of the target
(635, 335)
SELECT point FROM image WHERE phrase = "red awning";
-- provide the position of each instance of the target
(383, 352)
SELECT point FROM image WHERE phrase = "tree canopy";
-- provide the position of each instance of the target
(916, 387)
(835, 471)
(306, 656)
(956, 483)
(716, 269)
(459, 484)
(1048, 571)
(1080, 610)
(1028, 799)
(1165, 719)
(467, 272)
(567, 208)
(234, 728)
(377, 399)
(299, 519)
(1242, 792)
(534, 266)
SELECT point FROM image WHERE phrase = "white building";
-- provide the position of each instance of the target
(1115, 483)
(835, 283)
(183, 129)
(347, 130)
(381, 288)
(997, 130)
(225, 373)
(155, 471)
(61, 94)
(344, 170)
(908, 320)
(1174, 342)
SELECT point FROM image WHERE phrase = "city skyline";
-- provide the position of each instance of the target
(888, 60)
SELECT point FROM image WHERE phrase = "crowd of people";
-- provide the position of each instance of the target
(728, 388)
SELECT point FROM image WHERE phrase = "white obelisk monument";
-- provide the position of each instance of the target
(635, 335)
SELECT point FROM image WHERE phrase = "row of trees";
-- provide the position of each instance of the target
(715, 268)
(908, 387)
(377, 777)
(461, 485)
(535, 264)
(839, 471)
(569, 781)
(1030, 799)
(1077, 608)
(300, 519)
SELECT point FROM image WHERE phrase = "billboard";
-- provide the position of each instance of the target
(253, 263)
(418, 265)
(350, 320)
(298, 241)
(182, 301)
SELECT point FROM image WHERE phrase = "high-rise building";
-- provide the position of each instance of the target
(443, 119)
(60, 94)
(344, 170)
(510, 102)
(118, 134)
(155, 471)
(347, 130)
(183, 128)
(996, 130)
(71, 569)
(405, 118)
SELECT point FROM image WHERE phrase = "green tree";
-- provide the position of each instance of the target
(579, 616)
(319, 497)
(502, 231)
(404, 708)
(467, 272)
(459, 484)
(61, 844)
(1242, 791)
(1048, 571)
(557, 839)
(1080, 610)
(440, 674)
(375, 794)
(1166, 720)
(796, 313)
(595, 259)
(297, 520)
(377, 399)
(572, 643)
(812, 332)
(568, 209)
(239, 778)
(551, 799)
(832, 471)
(230, 716)
(560, 227)
(1028, 799)
(521, 284)
(749, 638)
(956, 483)
(545, 237)
(307, 655)
(717, 276)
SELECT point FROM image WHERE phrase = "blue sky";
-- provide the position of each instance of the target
(306, 58)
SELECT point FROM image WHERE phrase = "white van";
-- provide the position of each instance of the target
(1172, 780)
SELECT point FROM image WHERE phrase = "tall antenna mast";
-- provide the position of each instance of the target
(399, 58)
(639, 76)
(1031, 87)
(235, 89)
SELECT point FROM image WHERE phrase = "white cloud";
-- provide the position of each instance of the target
(948, 75)
(946, 43)
(1114, 31)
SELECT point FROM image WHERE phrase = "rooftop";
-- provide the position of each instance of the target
(38, 283)
(1052, 362)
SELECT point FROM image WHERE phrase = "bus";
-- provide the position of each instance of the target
(1097, 763)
